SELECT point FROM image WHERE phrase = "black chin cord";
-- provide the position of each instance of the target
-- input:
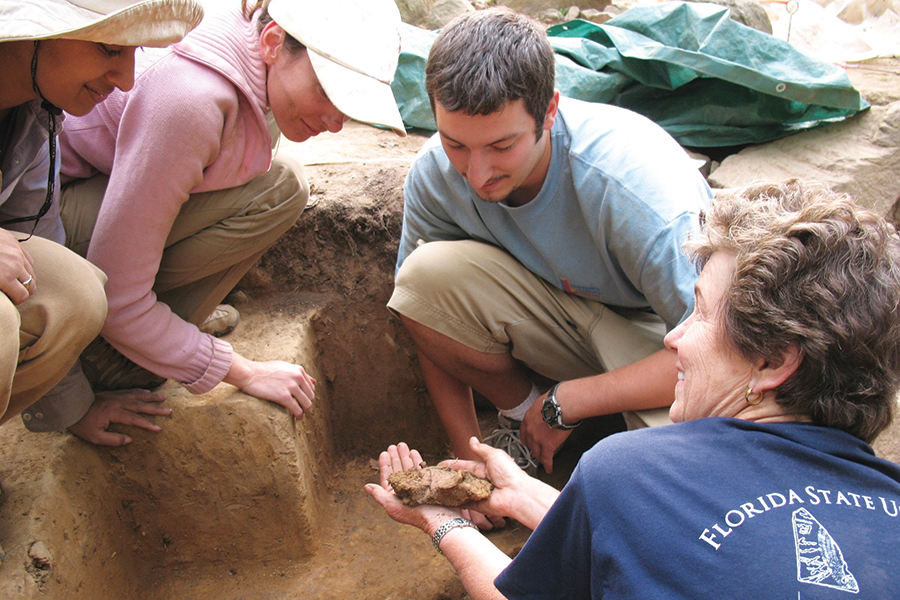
(52, 112)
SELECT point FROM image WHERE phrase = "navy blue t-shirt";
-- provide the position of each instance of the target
(719, 508)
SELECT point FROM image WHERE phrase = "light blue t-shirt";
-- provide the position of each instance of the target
(620, 198)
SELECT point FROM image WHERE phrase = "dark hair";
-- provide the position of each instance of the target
(290, 43)
(813, 270)
(481, 60)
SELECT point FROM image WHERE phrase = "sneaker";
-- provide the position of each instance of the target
(506, 438)
(107, 369)
(222, 321)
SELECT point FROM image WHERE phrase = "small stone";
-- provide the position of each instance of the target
(236, 296)
(40, 556)
(551, 15)
(444, 11)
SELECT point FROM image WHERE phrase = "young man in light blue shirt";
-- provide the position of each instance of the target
(540, 234)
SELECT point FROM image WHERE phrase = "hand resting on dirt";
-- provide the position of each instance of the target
(123, 407)
(277, 381)
(16, 266)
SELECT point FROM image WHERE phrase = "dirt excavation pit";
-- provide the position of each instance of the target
(233, 498)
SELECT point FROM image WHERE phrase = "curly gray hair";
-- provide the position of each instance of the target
(816, 271)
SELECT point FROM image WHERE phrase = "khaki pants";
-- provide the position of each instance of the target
(215, 239)
(41, 338)
(482, 297)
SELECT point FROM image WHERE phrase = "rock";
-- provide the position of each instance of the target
(550, 15)
(572, 13)
(40, 556)
(595, 16)
(859, 156)
(536, 8)
(414, 12)
(444, 11)
(440, 486)
(746, 12)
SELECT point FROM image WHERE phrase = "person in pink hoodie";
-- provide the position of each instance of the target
(172, 189)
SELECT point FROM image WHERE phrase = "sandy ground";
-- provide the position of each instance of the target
(234, 500)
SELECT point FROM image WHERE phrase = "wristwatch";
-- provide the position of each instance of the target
(552, 413)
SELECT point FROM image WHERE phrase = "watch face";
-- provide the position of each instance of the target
(548, 411)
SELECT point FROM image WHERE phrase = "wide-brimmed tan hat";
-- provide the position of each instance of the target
(354, 46)
(114, 22)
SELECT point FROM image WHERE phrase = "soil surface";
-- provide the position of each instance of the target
(234, 500)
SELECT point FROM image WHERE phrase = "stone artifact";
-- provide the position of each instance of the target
(439, 485)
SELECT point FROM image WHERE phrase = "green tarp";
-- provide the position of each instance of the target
(706, 79)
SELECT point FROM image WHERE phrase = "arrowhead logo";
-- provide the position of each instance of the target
(819, 558)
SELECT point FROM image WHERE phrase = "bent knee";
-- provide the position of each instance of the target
(291, 187)
(89, 303)
(451, 265)
(434, 266)
(81, 294)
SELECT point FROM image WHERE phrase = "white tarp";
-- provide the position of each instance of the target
(838, 31)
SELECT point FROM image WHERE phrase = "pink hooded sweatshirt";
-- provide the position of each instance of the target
(195, 121)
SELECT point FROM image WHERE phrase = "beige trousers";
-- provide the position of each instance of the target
(215, 239)
(42, 337)
(482, 297)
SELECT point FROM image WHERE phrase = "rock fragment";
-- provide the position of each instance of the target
(439, 485)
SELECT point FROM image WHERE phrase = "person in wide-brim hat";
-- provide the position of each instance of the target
(57, 55)
(72, 55)
(116, 22)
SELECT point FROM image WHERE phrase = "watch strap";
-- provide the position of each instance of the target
(558, 422)
(447, 528)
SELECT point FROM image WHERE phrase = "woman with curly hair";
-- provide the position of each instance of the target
(765, 486)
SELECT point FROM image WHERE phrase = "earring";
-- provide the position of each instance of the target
(755, 401)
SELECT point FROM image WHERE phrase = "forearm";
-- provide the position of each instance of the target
(476, 560)
(534, 500)
(647, 383)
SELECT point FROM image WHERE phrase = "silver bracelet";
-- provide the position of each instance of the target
(447, 528)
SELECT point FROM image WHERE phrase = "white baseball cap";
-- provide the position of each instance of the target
(353, 46)
(114, 22)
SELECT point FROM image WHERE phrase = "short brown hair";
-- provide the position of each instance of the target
(262, 6)
(481, 60)
(813, 270)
